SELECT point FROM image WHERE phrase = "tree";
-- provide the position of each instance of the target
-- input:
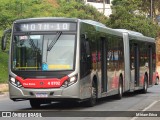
(127, 14)
(11, 10)
(146, 7)
(79, 10)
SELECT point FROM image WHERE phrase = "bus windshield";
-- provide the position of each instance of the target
(30, 52)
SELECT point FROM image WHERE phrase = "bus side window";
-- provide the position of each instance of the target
(132, 56)
(85, 51)
(88, 54)
(85, 48)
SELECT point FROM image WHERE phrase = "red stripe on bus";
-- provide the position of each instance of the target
(42, 83)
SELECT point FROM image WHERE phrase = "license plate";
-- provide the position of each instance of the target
(41, 95)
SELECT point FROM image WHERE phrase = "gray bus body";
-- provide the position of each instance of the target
(61, 58)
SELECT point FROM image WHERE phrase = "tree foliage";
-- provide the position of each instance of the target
(79, 10)
(127, 14)
(11, 10)
(146, 7)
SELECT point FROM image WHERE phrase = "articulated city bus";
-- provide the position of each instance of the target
(54, 59)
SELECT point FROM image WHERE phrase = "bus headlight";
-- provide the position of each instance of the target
(15, 82)
(70, 81)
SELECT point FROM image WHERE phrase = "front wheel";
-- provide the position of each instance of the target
(157, 81)
(35, 103)
(145, 86)
(120, 90)
(92, 101)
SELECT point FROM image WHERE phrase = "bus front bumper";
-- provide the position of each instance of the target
(53, 93)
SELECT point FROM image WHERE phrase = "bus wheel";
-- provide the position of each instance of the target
(145, 86)
(120, 89)
(35, 103)
(92, 101)
(157, 81)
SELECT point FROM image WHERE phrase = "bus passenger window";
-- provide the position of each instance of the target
(86, 60)
(87, 48)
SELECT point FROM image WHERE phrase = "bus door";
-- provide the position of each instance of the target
(104, 63)
(150, 66)
(136, 64)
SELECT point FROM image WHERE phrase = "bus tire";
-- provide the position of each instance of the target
(145, 86)
(157, 81)
(35, 103)
(120, 89)
(92, 100)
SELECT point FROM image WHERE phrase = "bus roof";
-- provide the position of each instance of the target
(46, 19)
(137, 35)
(130, 32)
(98, 26)
(94, 23)
(102, 28)
(60, 19)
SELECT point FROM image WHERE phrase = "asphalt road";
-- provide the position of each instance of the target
(130, 102)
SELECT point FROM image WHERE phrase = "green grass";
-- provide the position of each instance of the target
(3, 67)
(3, 63)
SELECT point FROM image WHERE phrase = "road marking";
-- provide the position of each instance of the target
(145, 109)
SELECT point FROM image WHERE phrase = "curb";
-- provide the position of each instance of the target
(4, 95)
(3, 88)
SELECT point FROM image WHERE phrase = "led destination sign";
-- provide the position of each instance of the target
(46, 27)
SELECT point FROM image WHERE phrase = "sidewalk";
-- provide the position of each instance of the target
(3, 88)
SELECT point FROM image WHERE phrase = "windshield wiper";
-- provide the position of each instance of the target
(54, 41)
(32, 44)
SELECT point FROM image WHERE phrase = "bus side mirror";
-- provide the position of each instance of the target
(4, 39)
(3, 47)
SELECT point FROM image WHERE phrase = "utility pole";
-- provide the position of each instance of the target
(151, 9)
(104, 7)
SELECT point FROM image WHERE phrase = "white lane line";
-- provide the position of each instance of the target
(134, 118)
